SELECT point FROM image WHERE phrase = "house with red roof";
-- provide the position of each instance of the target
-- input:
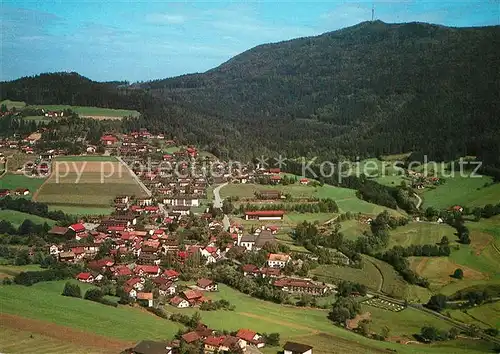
(251, 337)
(304, 181)
(179, 302)
(79, 253)
(206, 284)
(194, 297)
(167, 289)
(85, 277)
(171, 274)
(151, 209)
(457, 208)
(77, 231)
(301, 286)
(149, 271)
(190, 337)
(264, 215)
(109, 139)
(101, 264)
(122, 271)
(145, 298)
(250, 269)
(136, 283)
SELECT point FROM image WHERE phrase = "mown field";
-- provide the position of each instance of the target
(87, 182)
(311, 326)
(16, 218)
(48, 314)
(21, 337)
(463, 191)
(420, 233)
(43, 302)
(483, 316)
(479, 261)
(91, 111)
(346, 198)
(13, 181)
(13, 104)
(367, 275)
(352, 229)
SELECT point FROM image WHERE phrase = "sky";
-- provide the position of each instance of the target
(143, 40)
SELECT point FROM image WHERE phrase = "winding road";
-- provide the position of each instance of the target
(218, 204)
(419, 200)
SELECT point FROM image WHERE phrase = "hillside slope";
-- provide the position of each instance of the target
(373, 88)
(71, 89)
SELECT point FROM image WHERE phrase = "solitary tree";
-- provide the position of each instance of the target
(72, 290)
(458, 274)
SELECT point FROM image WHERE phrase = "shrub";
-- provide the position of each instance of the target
(72, 290)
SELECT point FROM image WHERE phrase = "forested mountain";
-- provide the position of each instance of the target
(366, 90)
(71, 89)
(370, 89)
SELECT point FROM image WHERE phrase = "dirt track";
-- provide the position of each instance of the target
(66, 334)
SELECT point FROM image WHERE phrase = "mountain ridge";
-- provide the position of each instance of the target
(370, 89)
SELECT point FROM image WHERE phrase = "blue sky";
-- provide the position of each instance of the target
(143, 40)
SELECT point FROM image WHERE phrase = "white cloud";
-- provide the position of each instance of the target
(164, 18)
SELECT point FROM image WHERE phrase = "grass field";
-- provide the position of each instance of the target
(82, 210)
(392, 283)
(311, 326)
(367, 275)
(84, 158)
(13, 181)
(17, 218)
(92, 111)
(7, 271)
(345, 198)
(87, 182)
(480, 260)
(43, 301)
(484, 316)
(11, 104)
(352, 229)
(463, 191)
(420, 233)
(14, 340)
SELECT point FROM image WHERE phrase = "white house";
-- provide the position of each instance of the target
(278, 260)
(54, 250)
(247, 241)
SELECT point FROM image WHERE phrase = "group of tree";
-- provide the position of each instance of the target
(57, 271)
(97, 295)
(432, 334)
(217, 305)
(346, 288)
(344, 308)
(256, 287)
(35, 208)
(72, 290)
(442, 250)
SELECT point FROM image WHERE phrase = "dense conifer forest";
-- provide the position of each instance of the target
(366, 90)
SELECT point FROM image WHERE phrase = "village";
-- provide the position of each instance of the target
(169, 246)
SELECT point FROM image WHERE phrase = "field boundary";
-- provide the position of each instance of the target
(67, 334)
(135, 177)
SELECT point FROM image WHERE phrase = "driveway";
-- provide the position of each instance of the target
(218, 204)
